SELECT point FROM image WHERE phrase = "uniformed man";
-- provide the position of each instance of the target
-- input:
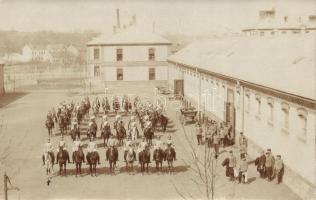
(112, 141)
(279, 169)
(158, 143)
(91, 144)
(77, 144)
(243, 170)
(48, 148)
(216, 144)
(269, 164)
(62, 143)
(199, 132)
(232, 166)
(143, 144)
(260, 163)
(169, 140)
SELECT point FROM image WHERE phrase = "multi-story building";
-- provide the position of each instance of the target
(35, 53)
(128, 55)
(263, 86)
(271, 23)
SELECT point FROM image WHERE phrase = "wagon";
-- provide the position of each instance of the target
(187, 115)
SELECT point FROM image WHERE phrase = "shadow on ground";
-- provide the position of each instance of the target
(10, 97)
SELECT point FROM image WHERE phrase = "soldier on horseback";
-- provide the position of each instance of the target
(62, 143)
(48, 149)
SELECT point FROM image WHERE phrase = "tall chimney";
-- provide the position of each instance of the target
(118, 18)
(134, 19)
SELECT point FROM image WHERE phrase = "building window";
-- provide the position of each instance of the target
(119, 54)
(96, 54)
(270, 111)
(258, 99)
(261, 33)
(247, 101)
(152, 74)
(302, 116)
(238, 97)
(283, 32)
(272, 32)
(285, 112)
(119, 74)
(296, 31)
(96, 70)
(151, 54)
(306, 31)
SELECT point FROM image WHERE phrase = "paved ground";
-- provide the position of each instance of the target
(24, 134)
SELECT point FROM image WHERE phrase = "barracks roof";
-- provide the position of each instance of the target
(131, 36)
(285, 63)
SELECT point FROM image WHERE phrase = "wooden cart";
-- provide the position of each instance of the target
(187, 115)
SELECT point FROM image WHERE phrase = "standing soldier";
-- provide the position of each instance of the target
(279, 169)
(232, 166)
(243, 144)
(243, 168)
(199, 132)
(260, 163)
(216, 144)
(269, 164)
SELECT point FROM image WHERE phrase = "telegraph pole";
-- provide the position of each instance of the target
(5, 186)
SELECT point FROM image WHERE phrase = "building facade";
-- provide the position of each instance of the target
(2, 91)
(129, 55)
(265, 87)
(271, 23)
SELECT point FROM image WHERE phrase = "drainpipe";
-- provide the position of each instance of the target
(243, 110)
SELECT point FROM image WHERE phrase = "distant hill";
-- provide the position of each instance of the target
(13, 41)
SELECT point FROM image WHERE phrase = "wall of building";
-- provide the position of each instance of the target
(130, 53)
(1, 79)
(297, 149)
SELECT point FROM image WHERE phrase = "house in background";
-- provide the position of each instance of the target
(129, 55)
(35, 53)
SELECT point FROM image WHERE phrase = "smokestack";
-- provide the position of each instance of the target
(134, 19)
(118, 18)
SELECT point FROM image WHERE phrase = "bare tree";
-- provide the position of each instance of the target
(203, 163)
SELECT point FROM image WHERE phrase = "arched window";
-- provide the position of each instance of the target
(258, 100)
(270, 110)
(247, 101)
(302, 116)
(285, 111)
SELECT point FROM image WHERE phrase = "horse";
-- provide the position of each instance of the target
(93, 159)
(62, 158)
(105, 134)
(49, 162)
(158, 157)
(78, 158)
(62, 124)
(92, 130)
(144, 159)
(49, 125)
(120, 133)
(163, 120)
(112, 157)
(170, 156)
(148, 133)
(75, 133)
(129, 158)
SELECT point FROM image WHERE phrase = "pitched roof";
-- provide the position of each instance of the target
(131, 36)
(285, 63)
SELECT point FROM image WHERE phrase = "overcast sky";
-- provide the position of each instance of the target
(181, 16)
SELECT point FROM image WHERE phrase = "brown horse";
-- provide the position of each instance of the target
(105, 133)
(93, 159)
(62, 158)
(144, 159)
(78, 158)
(112, 157)
(158, 157)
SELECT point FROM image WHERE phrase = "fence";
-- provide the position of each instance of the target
(16, 76)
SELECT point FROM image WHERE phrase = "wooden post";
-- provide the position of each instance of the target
(5, 178)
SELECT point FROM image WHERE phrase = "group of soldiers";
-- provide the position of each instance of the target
(133, 132)
(267, 166)
(216, 134)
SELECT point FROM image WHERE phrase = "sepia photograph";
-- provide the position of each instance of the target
(158, 99)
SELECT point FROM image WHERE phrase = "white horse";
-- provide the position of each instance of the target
(49, 163)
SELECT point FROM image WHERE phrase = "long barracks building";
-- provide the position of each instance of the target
(265, 86)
